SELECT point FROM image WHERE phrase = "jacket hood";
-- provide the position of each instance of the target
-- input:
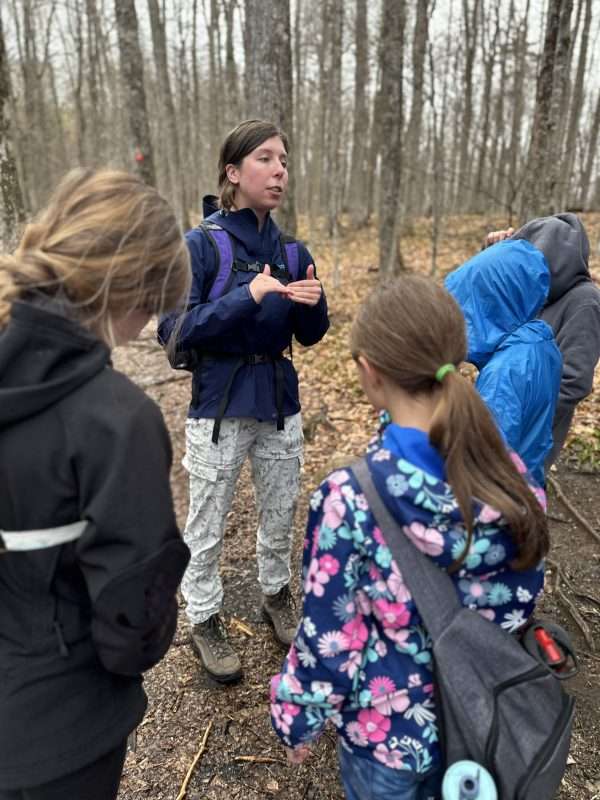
(210, 205)
(498, 290)
(565, 245)
(43, 358)
(243, 224)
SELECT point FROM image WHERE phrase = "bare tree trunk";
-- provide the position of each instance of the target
(517, 110)
(75, 19)
(334, 128)
(537, 188)
(96, 138)
(13, 211)
(576, 107)
(558, 111)
(489, 47)
(412, 174)
(437, 189)
(159, 42)
(268, 78)
(132, 70)
(231, 75)
(358, 168)
(464, 170)
(592, 155)
(391, 59)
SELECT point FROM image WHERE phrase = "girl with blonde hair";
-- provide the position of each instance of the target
(90, 553)
(361, 657)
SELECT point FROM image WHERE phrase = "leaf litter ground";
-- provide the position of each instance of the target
(242, 757)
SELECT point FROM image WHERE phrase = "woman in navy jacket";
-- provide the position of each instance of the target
(252, 291)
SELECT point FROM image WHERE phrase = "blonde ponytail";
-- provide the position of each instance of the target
(106, 244)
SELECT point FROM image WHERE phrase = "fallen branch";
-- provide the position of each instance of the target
(260, 759)
(160, 381)
(571, 607)
(557, 518)
(186, 780)
(578, 516)
(236, 623)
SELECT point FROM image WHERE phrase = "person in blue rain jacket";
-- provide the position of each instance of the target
(500, 291)
(361, 657)
(238, 330)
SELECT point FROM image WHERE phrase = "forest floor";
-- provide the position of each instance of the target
(242, 757)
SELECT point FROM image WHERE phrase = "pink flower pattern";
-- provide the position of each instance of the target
(374, 725)
(361, 638)
(428, 540)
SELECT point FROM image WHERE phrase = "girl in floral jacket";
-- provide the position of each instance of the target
(361, 657)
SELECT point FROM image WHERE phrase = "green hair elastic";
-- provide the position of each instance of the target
(443, 371)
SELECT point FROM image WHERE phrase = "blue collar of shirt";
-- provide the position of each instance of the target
(414, 446)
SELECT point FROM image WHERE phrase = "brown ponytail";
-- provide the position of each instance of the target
(407, 330)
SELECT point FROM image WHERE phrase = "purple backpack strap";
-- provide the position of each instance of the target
(222, 243)
(292, 258)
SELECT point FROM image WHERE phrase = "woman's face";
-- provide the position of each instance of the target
(261, 178)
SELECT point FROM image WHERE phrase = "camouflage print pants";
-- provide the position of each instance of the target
(276, 459)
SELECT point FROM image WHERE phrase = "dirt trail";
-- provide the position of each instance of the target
(243, 758)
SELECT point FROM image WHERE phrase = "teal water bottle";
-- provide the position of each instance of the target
(467, 780)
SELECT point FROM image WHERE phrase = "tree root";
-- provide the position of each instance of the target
(571, 508)
(570, 605)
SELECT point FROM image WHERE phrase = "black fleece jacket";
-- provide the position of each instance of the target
(79, 622)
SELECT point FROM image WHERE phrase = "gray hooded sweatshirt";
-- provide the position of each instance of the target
(572, 310)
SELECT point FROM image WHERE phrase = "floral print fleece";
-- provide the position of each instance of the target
(361, 657)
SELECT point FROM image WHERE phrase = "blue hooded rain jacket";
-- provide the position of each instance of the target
(500, 291)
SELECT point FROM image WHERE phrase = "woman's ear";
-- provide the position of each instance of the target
(233, 174)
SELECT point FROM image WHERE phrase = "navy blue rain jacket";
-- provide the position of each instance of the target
(234, 324)
(500, 291)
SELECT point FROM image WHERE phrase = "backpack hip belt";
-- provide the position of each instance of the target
(249, 360)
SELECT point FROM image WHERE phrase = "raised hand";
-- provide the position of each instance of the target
(264, 283)
(498, 236)
(307, 292)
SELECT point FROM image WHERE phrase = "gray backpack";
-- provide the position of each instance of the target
(497, 704)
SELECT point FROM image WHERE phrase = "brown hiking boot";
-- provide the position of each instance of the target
(280, 612)
(219, 659)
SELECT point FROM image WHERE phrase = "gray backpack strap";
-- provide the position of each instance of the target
(432, 590)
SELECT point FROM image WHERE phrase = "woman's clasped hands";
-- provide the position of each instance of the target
(307, 292)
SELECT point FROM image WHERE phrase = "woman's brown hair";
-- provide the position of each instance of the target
(407, 329)
(239, 142)
(106, 244)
